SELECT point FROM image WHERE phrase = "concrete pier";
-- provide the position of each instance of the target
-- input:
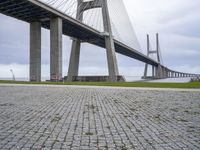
(153, 71)
(75, 50)
(35, 51)
(56, 49)
(109, 42)
(159, 71)
(74, 60)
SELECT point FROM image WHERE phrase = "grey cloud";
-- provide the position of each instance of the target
(178, 30)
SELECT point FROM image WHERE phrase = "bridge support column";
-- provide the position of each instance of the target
(55, 49)
(74, 60)
(109, 42)
(153, 71)
(168, 73)
(145, 70)
(35, 51)
(164, 72)
(75, 50)
(159, 71)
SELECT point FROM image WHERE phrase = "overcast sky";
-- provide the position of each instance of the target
(177, 23)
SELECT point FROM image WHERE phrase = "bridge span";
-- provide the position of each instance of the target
(39, 14)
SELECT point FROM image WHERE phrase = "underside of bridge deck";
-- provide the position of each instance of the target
(31, 11)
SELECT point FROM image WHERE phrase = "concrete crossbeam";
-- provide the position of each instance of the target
(35, 51)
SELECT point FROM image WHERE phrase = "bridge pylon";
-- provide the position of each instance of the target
(158, 72)
(109, 41)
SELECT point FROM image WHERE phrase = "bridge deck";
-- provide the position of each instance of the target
(34, 10)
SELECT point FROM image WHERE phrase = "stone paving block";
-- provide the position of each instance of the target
(45, 117)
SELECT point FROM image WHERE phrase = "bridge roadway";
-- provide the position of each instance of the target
(34, 10)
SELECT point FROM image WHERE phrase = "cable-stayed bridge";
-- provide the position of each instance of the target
(84, 21)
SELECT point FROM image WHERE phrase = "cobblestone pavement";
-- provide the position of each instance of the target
(72, 118)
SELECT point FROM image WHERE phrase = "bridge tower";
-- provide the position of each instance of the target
(109, 42)
(157, 71)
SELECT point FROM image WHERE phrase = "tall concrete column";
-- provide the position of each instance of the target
(166, 73)
(148, 52)
(159, 71)
(153, 71)
(145, 70)
(74, 60)
(109, 43)
(75, 50)
(56, 49)
(35, 52)
(163, 73)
